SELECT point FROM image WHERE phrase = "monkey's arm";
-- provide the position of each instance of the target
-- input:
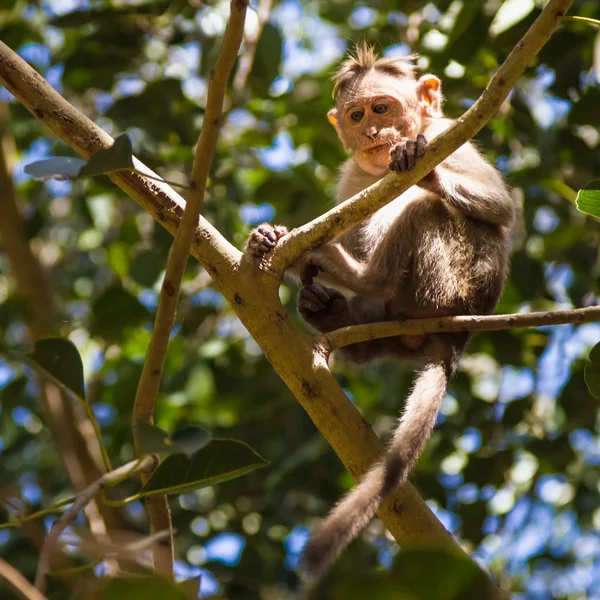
(468, 182)
(341, 269)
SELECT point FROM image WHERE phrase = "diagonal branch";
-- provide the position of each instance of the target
(149, 384)
(19, 583)
(356, 334)
(365, 203)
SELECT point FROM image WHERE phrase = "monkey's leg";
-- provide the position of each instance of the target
(326, 309)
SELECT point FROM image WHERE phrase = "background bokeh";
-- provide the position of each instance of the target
(513, 466)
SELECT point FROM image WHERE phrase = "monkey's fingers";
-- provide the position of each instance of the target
(308, 274)
(421, 142)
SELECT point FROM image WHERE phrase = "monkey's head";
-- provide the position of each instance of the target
(379, 102)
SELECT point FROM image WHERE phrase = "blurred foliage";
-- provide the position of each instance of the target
(512, 469)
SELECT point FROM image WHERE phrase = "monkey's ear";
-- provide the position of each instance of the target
(429, 90)
(332, 116)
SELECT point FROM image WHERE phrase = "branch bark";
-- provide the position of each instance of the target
(355, 334)
(149, 384)
(143, 465)
(362, 205)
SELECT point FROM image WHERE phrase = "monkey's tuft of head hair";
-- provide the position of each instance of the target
(357, 65)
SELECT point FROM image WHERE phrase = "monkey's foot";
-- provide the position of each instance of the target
(403, 156)
(324, 308)
(263, 239)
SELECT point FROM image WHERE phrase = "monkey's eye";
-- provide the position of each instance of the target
(380, 108)
(357, 115)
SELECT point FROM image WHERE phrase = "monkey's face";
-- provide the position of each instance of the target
(377, 111)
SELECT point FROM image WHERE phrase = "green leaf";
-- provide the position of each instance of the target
(59, 360)
(591, 372)
(57, 167)
(116, 158)
(114, 310)
(588, 200)
(154, 440)
(220, 461)
(142, 588)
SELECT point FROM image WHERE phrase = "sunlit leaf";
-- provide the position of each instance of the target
(588, 200)
(116, 158)
(220, 461)
(57, 167)
(509, 14)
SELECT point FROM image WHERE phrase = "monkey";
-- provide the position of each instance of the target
(440, 248)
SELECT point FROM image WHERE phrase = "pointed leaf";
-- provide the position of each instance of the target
(57, 167)
(116, 158)
(58, 359)
(220, 461)
(191, 440)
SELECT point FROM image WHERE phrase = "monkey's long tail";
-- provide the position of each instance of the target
(353, 513)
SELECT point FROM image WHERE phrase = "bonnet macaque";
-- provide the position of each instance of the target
(441, 248)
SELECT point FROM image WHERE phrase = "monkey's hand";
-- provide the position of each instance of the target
(263, 239)
(403, 156)
(324, 308)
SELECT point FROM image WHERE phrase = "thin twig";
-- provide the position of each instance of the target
(372, 331)
(19, 583)
(583, 20)
(148, 387)
(144, 465)
(365, 203)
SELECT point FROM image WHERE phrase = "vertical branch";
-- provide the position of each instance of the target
(145, 399)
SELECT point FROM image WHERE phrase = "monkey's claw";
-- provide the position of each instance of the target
(263, 239)
(403, 156)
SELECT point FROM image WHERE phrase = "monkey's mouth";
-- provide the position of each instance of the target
(377, 147)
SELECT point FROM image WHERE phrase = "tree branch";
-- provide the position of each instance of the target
(143, 465)
(365, 203)
(19, 583)
(355, 334)
(149, 384)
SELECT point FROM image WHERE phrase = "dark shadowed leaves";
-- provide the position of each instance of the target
(114, 310)
(220, 461)
(419, 574)
(141, 588)
(592, 372)
(59, 360)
